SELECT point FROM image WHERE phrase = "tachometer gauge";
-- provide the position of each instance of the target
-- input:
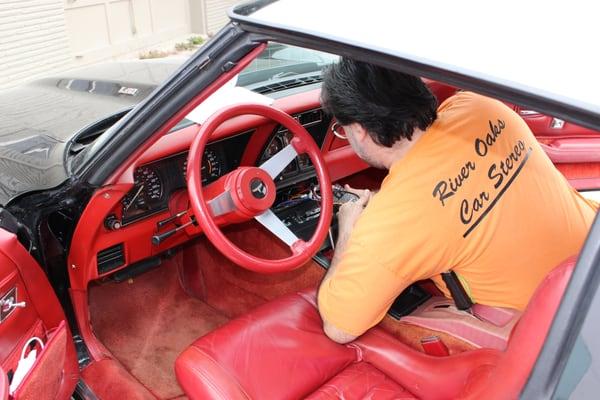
(212, 167)
(273, 148)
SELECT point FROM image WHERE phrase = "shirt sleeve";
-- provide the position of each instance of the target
(359, 293)
(389, 248)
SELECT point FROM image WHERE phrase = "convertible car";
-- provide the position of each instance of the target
(172, 250)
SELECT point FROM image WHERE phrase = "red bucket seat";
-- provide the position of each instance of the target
(279, 351)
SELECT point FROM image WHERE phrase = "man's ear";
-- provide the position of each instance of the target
(359, 132)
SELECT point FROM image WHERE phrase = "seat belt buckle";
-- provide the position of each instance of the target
(433, 346)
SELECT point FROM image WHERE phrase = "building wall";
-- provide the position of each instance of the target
(216, 14)
(33, 40)
(101, 29)
(40, 37)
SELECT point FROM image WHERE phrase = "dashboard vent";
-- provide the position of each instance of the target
(289, 84)
(110, 259)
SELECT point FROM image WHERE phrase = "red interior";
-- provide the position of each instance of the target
(41, 317)
(218, 291)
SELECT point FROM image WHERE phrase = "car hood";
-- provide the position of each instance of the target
(38, 119)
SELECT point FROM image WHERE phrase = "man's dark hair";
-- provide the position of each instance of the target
(387, 103)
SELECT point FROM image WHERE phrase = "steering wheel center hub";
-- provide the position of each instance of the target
(253, 190)
(258, 188)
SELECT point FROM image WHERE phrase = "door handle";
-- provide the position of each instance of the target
(8, 303)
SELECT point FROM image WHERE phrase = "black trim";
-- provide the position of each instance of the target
(83, 392)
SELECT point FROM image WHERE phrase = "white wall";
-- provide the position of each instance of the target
(33, 40)
(216, 14)
(101, 29)
(41, 37)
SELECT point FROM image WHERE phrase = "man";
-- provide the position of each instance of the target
(469, 189)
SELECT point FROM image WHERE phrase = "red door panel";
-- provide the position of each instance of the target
(55, 370)
(3, 385)
(573, 149)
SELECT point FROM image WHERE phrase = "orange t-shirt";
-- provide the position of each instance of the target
(476, 194)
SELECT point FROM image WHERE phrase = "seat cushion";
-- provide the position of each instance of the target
(278, 351)
(361, 381)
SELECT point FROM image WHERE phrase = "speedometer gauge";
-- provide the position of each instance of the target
(151, 182)
(146, 192)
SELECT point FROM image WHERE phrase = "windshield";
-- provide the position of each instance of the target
(278, 68)
(283, 63)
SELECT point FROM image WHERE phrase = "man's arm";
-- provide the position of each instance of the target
(348, 214)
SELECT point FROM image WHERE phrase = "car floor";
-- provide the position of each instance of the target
(147, 321)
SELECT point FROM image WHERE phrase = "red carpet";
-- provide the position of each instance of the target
(108, 380)
(147, 322)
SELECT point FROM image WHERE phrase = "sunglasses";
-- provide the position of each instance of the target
(338, 131)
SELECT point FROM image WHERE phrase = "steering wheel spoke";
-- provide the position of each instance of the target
(222, 204)
(269, 220)
(276, 164)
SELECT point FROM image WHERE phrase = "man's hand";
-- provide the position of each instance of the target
(349, 212)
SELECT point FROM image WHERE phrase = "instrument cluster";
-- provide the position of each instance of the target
(301, 167)
(155, 182)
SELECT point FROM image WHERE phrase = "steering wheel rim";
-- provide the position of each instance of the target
(303, 143)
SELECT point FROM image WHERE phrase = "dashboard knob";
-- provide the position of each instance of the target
(112, 223)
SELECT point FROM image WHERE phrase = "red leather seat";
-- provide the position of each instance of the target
(279, 351)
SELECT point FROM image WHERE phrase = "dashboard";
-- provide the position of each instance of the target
(157, 181)
(148, 198)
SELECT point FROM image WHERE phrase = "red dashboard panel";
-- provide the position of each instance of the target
(93, 237)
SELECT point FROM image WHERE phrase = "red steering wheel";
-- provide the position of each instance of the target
(249, 192)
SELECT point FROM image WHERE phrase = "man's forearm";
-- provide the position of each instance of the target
(348, 214)
(331, 331)
(340, 247)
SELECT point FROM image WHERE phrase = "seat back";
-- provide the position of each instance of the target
(515, 364)
(479, 374)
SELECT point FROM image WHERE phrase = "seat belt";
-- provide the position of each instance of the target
(457, 291)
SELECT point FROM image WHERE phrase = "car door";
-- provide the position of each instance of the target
(33, 329)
